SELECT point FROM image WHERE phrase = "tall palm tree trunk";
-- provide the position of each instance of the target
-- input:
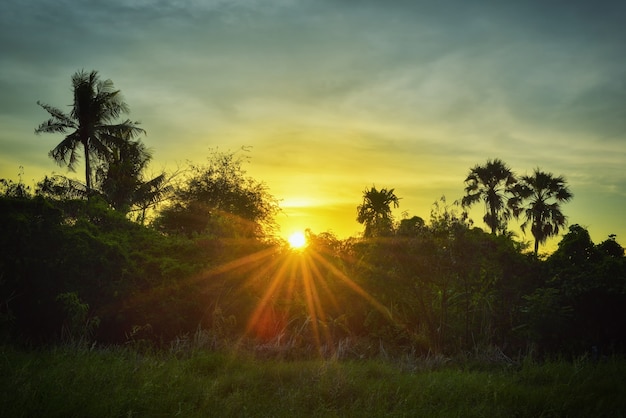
(87, 168)
(494, 221)
(537, 225)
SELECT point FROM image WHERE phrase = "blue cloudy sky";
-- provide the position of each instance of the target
(337, 96)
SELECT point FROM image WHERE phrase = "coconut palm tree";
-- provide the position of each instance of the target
(120, 178)
(91, 121)
(538, 198)
(490, 183)
(375, 211)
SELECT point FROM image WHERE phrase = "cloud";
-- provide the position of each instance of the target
(337, 95)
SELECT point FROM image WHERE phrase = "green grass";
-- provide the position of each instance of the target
(67, 382)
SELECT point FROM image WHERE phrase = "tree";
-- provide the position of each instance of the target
(575, 251)
(411, 227)
(8, 188)
(220, 200)
(490, 183)
(60, 188)
(610, 247)
(375, 211)
(91, 121)
(590, 282)
(121, 181)
(538, 198)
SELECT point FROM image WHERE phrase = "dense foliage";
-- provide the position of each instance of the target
(77, 270)
(219, 199)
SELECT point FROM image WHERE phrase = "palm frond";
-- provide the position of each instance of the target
(127, 130)
(59, 121)
(100, 146)
(52, 126)
(65, 152)
(152, 191)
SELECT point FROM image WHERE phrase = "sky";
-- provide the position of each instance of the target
(334, 97)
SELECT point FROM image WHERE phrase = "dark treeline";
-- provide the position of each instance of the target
(77, 270)
(127, 259)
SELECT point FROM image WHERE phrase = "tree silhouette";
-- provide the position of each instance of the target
(95, 108)
(219, 199)
(120, 179)
(610, 247)
(411, 227)
(375, 211)
(538, 198)
(490, 183)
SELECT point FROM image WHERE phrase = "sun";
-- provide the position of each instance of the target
(297, 240)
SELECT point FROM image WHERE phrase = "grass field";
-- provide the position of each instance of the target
(115, 382)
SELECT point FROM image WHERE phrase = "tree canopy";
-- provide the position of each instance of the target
(219, 199)
(538, 199)
(92, 122)
(491, 183)
(375, 211)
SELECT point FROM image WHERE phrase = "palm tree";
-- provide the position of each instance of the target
(490, 183)
(91, 122)
(149, 194)
(538, 197)
(375, 211)
(120, 178)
